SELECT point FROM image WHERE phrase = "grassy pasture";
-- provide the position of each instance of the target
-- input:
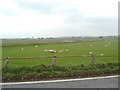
(13, 49)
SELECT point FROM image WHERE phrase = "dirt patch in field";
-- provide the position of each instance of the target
(41, 77)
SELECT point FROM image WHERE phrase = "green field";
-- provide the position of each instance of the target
(13, 49)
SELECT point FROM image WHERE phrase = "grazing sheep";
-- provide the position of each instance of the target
(105, 45)
(91, 52)
(108, 43)
(22, 49)
(45, 50)
(91, 45)
(69, 41)
(51, 51)
(101, 54)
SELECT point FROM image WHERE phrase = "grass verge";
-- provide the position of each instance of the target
(42, 72)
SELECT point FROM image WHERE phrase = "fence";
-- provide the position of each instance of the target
(54, 58)
(58, 57)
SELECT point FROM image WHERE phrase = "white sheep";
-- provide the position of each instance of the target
(91, 52)
(105, 45)
(101, 54)
(45, 50)
(91, 45)
(51, 51)
(22, 49)
(108, 43)
(66, 49)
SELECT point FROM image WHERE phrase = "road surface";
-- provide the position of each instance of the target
(109, 82)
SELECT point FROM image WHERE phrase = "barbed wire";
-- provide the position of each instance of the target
(58, 57)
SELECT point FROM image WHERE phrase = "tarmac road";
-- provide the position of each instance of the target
(108, 82)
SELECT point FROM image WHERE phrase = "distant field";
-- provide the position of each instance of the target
(13, 49)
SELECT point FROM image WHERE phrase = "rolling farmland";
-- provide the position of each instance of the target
(36, 48)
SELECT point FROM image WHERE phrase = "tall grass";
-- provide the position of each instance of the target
(43, 69)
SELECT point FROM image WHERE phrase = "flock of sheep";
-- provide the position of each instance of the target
(54, 51)
(51, 51)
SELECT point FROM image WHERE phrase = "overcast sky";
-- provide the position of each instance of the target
(56, 18)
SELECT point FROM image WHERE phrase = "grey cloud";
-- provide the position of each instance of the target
(48, 8)
(73, 15)
(91, 26)
(43, 7)
(102, 20)
(104, 23)
(78, 18)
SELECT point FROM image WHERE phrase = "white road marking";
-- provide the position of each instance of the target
(65, 80)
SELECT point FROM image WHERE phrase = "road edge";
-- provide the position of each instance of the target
(55, 81)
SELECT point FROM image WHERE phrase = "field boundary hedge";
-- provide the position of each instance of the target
(57, 57)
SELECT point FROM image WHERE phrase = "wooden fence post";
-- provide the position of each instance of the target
(53, 61)
(6, 62)
(93, 58)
